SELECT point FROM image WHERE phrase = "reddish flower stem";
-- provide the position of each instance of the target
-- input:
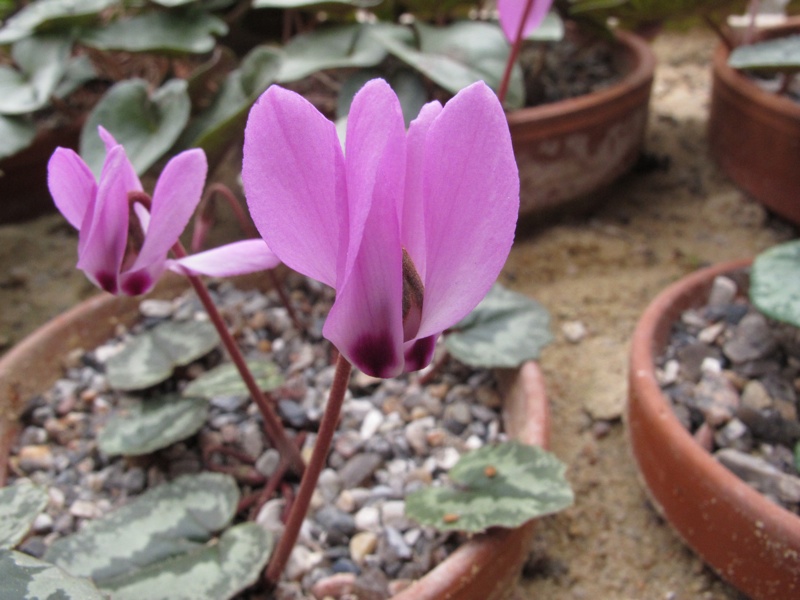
(330, 420)
(272, 424)
(512, 56)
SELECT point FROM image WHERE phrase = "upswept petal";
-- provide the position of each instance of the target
(511, 12)
(71, 184)
(412, 225)
(176, 195)
(293, 174)
(472, 202)
(108, 140)
(238, 258)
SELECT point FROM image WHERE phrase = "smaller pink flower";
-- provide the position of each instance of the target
(124, 255)
(513, 11)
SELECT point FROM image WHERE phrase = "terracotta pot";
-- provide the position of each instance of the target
(746, 538)
(754, 135)
(485, 568)
(569, 151)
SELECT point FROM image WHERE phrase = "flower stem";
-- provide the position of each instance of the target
(272, 424)
(512, 56)
(330, 420)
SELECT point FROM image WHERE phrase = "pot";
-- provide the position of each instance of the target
(754, 135)
(485, 568)
(568, 151)
(746, 538)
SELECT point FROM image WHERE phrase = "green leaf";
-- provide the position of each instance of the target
(42, 61)
(781, 54)
(504, 330)
(159, 31)
(20, 504)
(150, 357)
(79, 70)
(170, 520)
(775, 282)
(42, 15)
(456, 56)
(143, 426)
(28, 578)
(406, 84)
(503, 485)
(147, 125)
(15, 134)
(304, 3)
(335, 47)
(225, 380)
(216, 572)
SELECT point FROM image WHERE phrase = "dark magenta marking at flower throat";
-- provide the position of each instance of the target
(374, 354)
(420, 354)
(137, 283)
(107, 281)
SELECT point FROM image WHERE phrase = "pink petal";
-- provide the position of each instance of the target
(238, 258)
(419, 353)
(108, 139)
(366, 321)
(511, 13)
(71, 184)
(471, 187)
(293, 174)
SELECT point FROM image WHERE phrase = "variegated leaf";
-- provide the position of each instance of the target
(23, 577)
(225, 380)
(20, 504)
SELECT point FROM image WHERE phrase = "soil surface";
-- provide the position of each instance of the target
(654, 226)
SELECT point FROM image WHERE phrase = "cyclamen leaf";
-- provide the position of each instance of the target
(20, 504)
(504, 330)
(51, 15)
(215, 572)
(42, 62)
(775, 282)
(28, 578)
(504, 485)
(15, 134)
(146, 425)
(150, 357)
(782, 54)
(170, 520)
(225, 380)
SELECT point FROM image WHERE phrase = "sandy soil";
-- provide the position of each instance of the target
(601, 270)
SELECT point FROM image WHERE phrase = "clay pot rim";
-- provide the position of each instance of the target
(449, 579)
(641, 75)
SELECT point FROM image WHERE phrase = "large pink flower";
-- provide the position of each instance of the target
(411, 229)
(513, 11)
(124, 256)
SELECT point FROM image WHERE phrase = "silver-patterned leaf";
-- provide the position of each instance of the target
(164, 522)
(775, 282)
(503, 485)
(51, 15)
(20, 504)
(150, 357)
(143, 426)
(782, 54)
(225, 380)
(216, 572)
(503, 331)
(23, 577)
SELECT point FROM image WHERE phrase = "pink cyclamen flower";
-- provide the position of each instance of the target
(513, 11)
(410, 229)
(124, 255)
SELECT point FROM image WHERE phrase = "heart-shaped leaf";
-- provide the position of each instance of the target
(167, 521)
(503, 485)
(20, 504)
(150, 357)
(159, 31)
(504, 330)
(225, 380)
(43, 15)
(42, 61)
(775, 282)
(215, 572)
(143, 426)
(336, 47)
(147, 125)
(16, 134)
(26, 577)
(456, 56)
(781, 54)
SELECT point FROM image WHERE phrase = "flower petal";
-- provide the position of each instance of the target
(293, 174)
(71, 184)
(238, 258)
(471, 187)
(511, 13)
(419, 353)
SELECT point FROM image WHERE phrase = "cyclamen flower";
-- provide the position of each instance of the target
(127, 256)
(410, 229)
(513, 11)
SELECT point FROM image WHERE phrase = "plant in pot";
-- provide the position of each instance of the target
(391, 304)
(712, 417)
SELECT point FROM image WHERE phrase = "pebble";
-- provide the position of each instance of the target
(334, 587)
(574, 331)
(38, 457)
(359, 468)
(301, 561)
(368, 518)
(723, 291)
(761, 475)
(362, 544)
(751, 340)
(268, 462)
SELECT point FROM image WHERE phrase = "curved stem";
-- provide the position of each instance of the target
(272, 425)
(330, 420)
(512, 56)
